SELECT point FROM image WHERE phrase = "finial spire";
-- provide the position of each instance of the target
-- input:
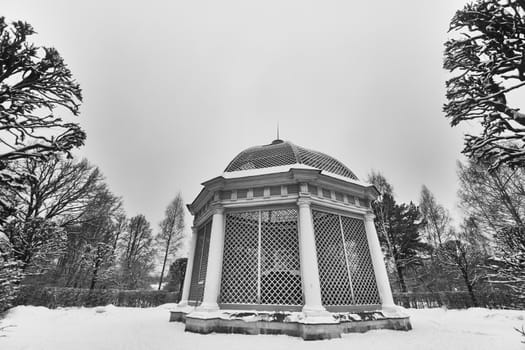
(277, 140)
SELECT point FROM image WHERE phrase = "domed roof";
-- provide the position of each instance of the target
(280, 153)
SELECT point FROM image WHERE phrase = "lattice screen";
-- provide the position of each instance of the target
(200, 263)
(345, 267)
(359, 262)
(239, 268)
(333, 272)
(261, 258)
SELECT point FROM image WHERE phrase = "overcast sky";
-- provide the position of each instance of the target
(174, 90)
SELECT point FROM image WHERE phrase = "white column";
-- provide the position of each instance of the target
(308, 259)
(383, 285)
(189, 269)
(213, 272)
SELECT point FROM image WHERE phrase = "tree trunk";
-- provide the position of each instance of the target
(470, 290)
(164, 262)
(401, 278)
(95, 274)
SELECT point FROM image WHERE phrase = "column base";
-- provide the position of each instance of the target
(315, 311)
(207, 307)
(394, 311)
(179, 312)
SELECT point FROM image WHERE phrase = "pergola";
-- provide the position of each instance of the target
(286, 230)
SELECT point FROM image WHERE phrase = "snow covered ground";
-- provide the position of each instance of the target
(111, 327)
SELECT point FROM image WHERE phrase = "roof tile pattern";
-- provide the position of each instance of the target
(280, 153)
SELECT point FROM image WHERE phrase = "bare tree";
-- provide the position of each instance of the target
(89, 257)
(171, 231)
(137, 253)
(509, 265)
(58, 188)
(436, 218)
(462, 255)
(496, 199)
(57, 195)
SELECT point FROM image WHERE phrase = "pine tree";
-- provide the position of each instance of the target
(176, 276)
(398, 227)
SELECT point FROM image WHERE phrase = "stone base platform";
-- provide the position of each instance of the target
(297, 324)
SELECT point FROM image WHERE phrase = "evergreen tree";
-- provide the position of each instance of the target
(404, 236)
(398, 226)
(176, 276)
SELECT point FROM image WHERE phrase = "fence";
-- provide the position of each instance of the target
(53, 297)
(458, 300)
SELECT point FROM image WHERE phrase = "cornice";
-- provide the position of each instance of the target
(292, 176)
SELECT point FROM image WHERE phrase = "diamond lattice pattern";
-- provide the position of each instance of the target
(261, 258)
(345, 267)
(239, 267)
(359, 262)
(200, 263)
(333, 272)
(286, 153)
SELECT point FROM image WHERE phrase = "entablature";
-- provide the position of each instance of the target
(264, 189)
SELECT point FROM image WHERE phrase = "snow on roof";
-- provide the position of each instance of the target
(286, 168)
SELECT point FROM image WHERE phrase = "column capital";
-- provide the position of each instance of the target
(217, 209)
(304, 202)
(369, 216)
